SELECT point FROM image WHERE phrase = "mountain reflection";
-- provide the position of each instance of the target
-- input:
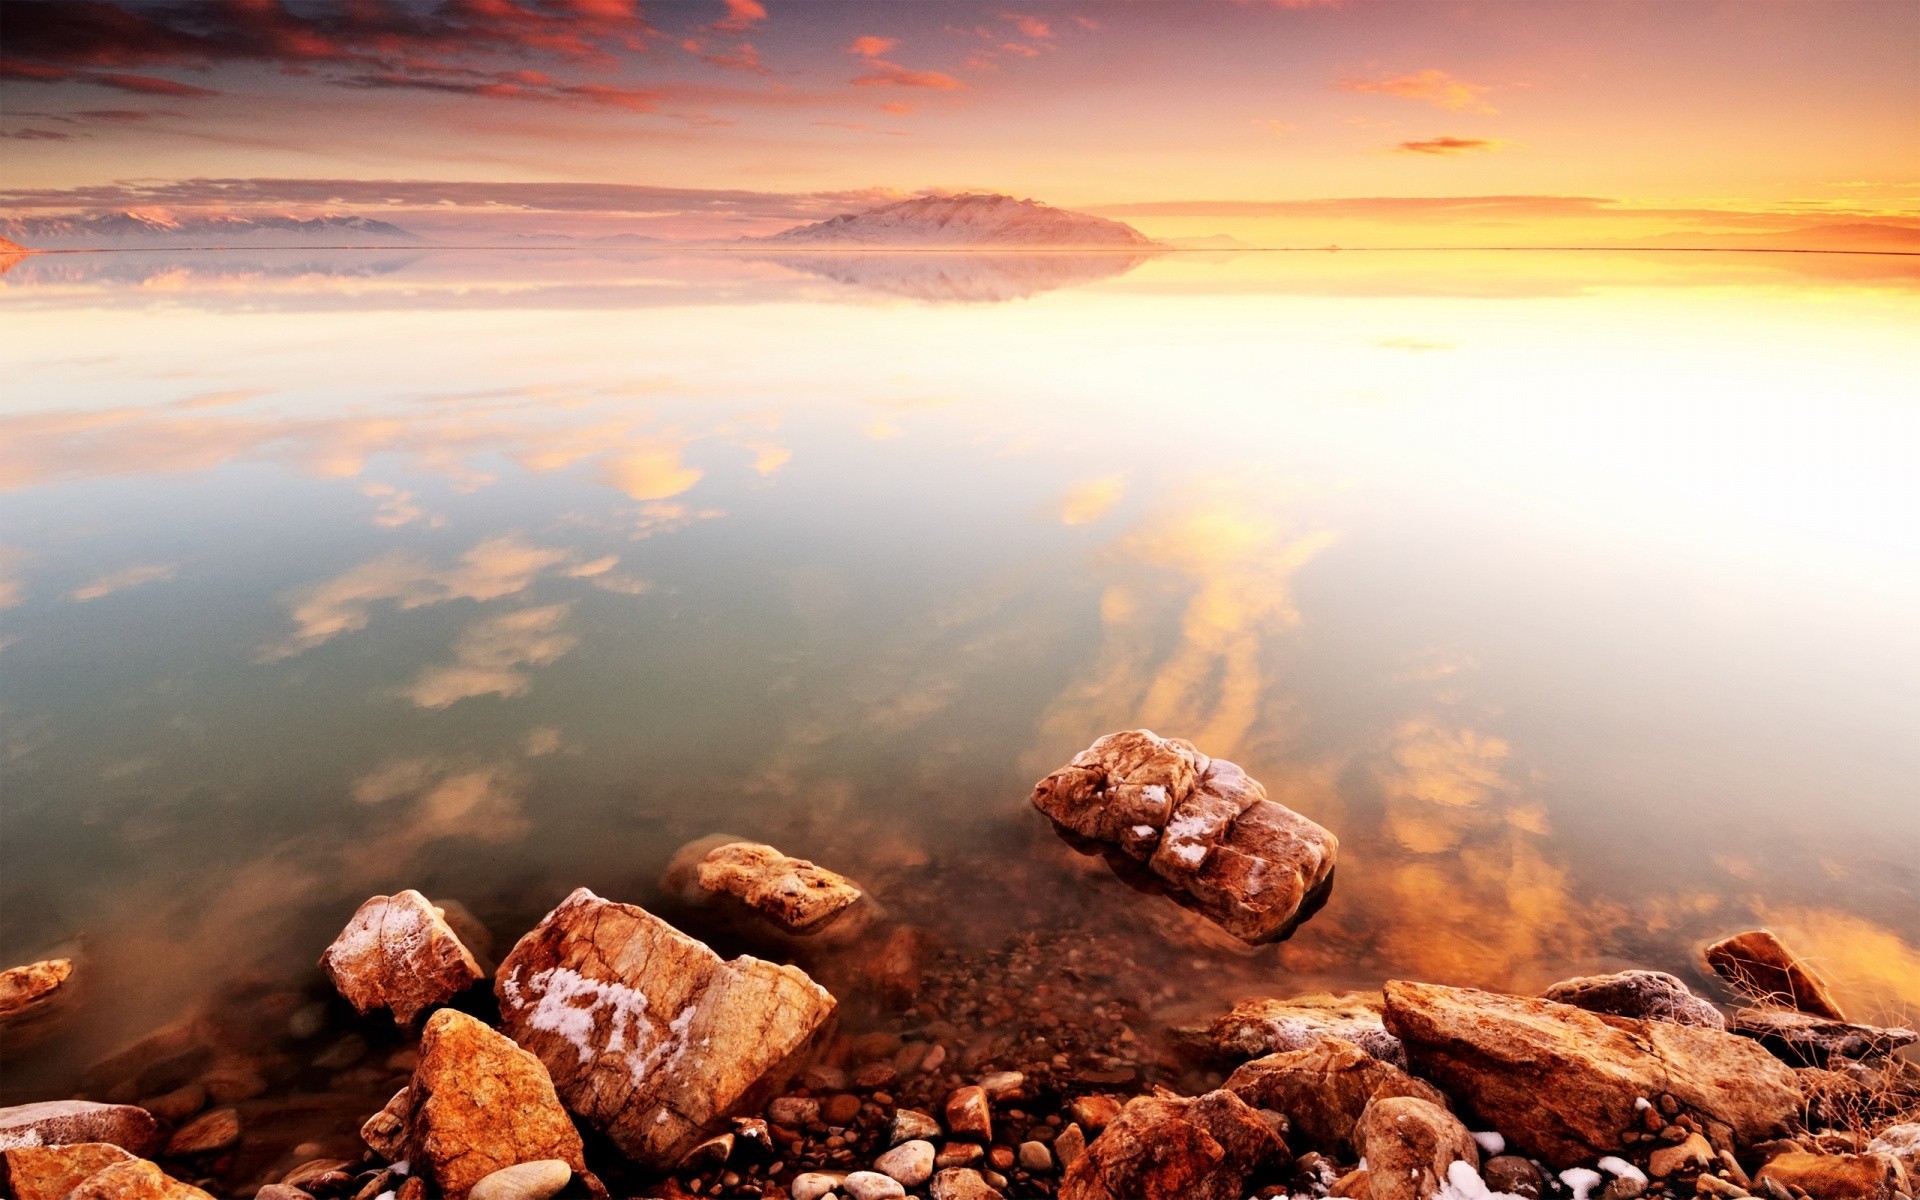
(963, 278)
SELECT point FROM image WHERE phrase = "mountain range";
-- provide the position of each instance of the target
(964, 221)
(133, 228)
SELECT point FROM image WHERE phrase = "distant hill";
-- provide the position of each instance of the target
(1861, 235)
(110, 229)
(10, 247)
(962, 222)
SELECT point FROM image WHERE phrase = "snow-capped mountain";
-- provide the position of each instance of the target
(965, 221)
(157, 228)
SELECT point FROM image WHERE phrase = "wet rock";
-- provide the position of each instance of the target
(910, 1162)
(385, 1132)
(1324, 1088)
(1269, 1026)
(399, 953)
(1839, 1176)
(50, 1172)
(794, 1112)
(1690, 1156)
(612, 999)
(796, 895)
(1645, 995)
(136, 1180)
(313, 1169)
(1760, 965)
(910, 1124)
(524, 1181)
(1565, 1084)
(178, 1104)
(1003, 1085)
(1513, 1176)
(1354, 1185)
(1070, 1145)
(1903, 1143)
(1171, 1148)
(959, 1154)
(66, 1122)
(280, 1191)
(31, 998)
(232, 1083)
(960, 1183)
(479, 1103)
(714, 1152)
(1199, 828)
(969, 1115)
(1410, 1145)
(1094, 1112)
(210, 1131)
(1625, 1187)
(1035, 1157)
(872, 1185)
(811, 1185)
(1806, 1040)
(840, 1108)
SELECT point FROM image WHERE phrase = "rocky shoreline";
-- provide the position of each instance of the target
(611, 1053)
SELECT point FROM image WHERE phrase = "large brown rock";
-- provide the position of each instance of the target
(649, 1035)
(1839, 1176)
(1643, 995)
(1409, 1146)
(1199, 828)
(478, 1103)
(1761, 966)
(31, 998)
(50, 1172)
(134, 1180)
(66, 1122)
(399, 953)
(1806, 1040)
(1324, 1089)
(1265, 1025)
(797, 896)
(1172, 1148)
(1564, 1084)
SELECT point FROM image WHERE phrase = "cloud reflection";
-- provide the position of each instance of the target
(490, 657)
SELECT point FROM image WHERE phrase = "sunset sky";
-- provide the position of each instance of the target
(1449, 122)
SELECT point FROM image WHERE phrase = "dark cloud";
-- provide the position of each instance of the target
(1450, 145)
(37, 135)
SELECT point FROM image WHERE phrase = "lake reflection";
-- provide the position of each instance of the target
(1574, 592)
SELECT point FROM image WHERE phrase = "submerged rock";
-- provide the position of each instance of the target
(1269, 1026)
(135, 1180)
(1566, 1084)
(1760, 966)
(477, 1104)
(50, 1172)
(1172, 1148)
(794, 894)
(1806, 1040)
(1324, 1089)
(649, 1035)
(1410, 1145)
(1644, 995)
(67, 1122)
(1200, 828)
(399, 953)
(31, 997)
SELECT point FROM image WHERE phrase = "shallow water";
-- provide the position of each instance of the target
(1574, 592)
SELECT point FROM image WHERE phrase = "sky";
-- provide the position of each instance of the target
(1296, 120)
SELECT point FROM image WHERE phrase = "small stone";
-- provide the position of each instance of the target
(537, 1180)
(280, 1191)
(959, 1154)
(1094, 1113)
(794, 1112)
(50, 1172)
(910, 1162)
(210, 1131)
(752, 1132)
(1410, 1146)
(840, 1109)
(313, 1169)
(1070, 1145)
(714, 1152)
(1839, 1176)
(178, 1104)
(1513, 1175)
(1624, 1188)
(65, 1122)
(136, 1180)
(399, 953)
(969, 1115)
(307, 1021)
(909, 1124)
(959, 1183)
(1035, 1157)
(1003, 1085)
(1646, 995)
(1692, 1154)
(1761, 966)
(1354, 1185)
(792, 893)
(874, 1076)
(1000, 1157)
(814, 1184)
(232, 1084)
(872, 1185)
(1712, 1187)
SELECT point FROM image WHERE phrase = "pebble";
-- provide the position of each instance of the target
(537, 1180)
(910, 1162)
(280, 1191)
(794, 1111)
(958, 1183)
(969, 1115)
(210, 1131)
(814, 1184)
(959, 1154)
(1035, 1157)
(307, 1022)
(1003, 1085)
(1094, 1112)
(1072, 1143)
(909, 1124)
(872, 1185)
(1001, 1157)
(840, 1109)
(178, 1104)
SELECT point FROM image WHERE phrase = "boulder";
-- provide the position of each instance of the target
(399, 953)
(1198, 828)
(137, 1179)
(1643, 995)
(797, 896)
(612, 999)
(1173, 1148)
(1565, 1084)
(1839, 1176)
(1409, 1145)
(31, 997)
(65, 1122)
(50, 1172)
(1265, 1025)
(1806, 1040)
(1759, 965)
(1324, 1089)
(478, 1103)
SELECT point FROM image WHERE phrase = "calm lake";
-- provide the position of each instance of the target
(1576, 593)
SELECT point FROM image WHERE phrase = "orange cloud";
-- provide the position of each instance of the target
(490, 657)
(741, 14)
(1444, 146)
(886, 74)
(117, 581)
(1431, 86)
(1032, 27)
(1085, 503)
(872, 47)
